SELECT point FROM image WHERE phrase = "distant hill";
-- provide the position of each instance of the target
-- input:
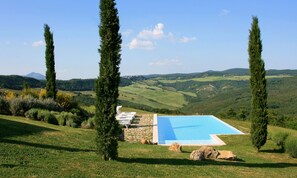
(16, 82)
(36, 80)
(35, 75)
(229, 72)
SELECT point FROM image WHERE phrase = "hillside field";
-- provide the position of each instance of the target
(36, 149)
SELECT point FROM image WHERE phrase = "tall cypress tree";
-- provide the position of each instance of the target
(259, 116)
(51, 91)
(108, 81)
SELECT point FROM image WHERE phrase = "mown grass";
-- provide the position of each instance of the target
(35, 149)
(220, 78)
(152, 96)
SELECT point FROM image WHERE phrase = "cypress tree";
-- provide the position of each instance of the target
(51, 91)
(259, 116)
(107, 84)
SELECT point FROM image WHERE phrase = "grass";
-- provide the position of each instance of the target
(152, 96)
(35, 149)
(220, 78)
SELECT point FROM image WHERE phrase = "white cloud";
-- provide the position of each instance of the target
(146, 38)
(38, 43)
(166, 62)
(156, 33)
(141, 44)
(224, 12)
(187, 39)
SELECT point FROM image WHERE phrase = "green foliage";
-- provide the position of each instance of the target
(108, 81)
(4, 106)
(42, 115)
(30, 92)
(258, 86)
(69, 119)
(51, 91)
(19, 106)
(280, 138)
(88, 124)
(65, 101)
(32, 114)
(242, 114)
(291, 146)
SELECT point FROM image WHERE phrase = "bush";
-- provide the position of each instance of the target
(42, 115)
(88, 124)
(29, 92)
(51, 119)
(4, 106)
(71, 123)
(19, 106)
(32, 114)
(280, 139)
(68, 119)
(291, 146)
(65, 101)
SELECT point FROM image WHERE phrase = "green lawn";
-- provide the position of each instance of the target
(35, 149)
(220, 78)
(152, 96)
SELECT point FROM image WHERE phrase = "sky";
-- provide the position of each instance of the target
(159, 36)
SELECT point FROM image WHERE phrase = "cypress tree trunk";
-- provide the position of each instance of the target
(259, 116)
(51, 91)
(108, 81)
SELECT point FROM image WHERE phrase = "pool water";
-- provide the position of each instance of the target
(192, 130)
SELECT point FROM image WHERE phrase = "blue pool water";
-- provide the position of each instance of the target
(191, 129)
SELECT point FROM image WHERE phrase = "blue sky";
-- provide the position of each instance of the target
(159, 36)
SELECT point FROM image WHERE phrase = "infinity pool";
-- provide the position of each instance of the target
(191, 130)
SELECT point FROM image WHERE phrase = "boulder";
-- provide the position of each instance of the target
(143, 141)
(197, 155)
(175, 147)
(209, 152)
(226, 155)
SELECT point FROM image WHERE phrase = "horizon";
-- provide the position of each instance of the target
(25, 75)
(157, 40)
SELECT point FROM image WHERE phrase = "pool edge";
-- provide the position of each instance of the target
(155, 129)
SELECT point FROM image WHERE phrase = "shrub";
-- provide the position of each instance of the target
(4, 106)
(51, 119)
(68, 119)
(42, 94)
(49, 104)
(19, 106)
(65, 100)
(83, 114)
(9, 95)
(71, 123)
(280, 138)
(32, 114)
(88, 124)
(42, 114)
(29, 92)
(291, 146)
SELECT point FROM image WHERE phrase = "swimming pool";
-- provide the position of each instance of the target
(191, 130)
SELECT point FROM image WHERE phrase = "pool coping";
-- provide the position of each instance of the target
(218, 141)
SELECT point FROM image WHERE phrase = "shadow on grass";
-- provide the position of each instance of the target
(45, 146)
(273, 151)
(9, 128)
(204, 163)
